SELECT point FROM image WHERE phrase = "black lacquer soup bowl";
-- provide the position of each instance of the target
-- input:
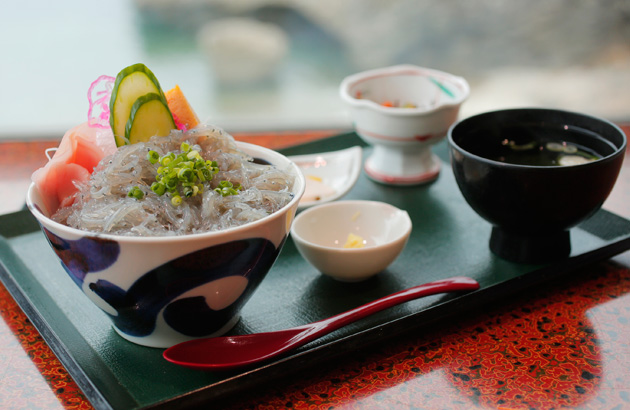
(534, 174)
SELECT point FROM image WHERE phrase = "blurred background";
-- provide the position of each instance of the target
(257, 65)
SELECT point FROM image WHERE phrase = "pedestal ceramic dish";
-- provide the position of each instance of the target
(402, 111)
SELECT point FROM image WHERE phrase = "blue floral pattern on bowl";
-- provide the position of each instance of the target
(138, 307)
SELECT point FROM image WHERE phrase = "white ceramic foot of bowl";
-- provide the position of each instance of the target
(402, 165)
(169, 337)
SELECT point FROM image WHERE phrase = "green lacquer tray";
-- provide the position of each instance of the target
(448, 239)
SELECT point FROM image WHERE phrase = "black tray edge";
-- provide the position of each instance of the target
(363, 340)
(367, 338)
(59, 348)
(51, 339)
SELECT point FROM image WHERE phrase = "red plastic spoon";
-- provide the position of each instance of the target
(231, 352)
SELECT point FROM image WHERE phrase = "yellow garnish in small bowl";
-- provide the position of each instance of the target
(354, 241)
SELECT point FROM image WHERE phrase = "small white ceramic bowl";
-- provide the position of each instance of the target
(321, 232)
(159, 291)
(402, 136)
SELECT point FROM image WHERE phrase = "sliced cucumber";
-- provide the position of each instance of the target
(149, 116)
(131, 83)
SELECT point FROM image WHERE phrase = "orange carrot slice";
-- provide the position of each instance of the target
(183, 114)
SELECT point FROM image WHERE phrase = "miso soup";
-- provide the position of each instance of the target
(539, 145)
(544, 153)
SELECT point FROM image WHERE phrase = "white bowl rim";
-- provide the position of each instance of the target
(353, 79)
(248, 147)
(350, 202)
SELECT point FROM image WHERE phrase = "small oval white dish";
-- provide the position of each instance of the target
(328, 175)
(402, 111)
(351, 240)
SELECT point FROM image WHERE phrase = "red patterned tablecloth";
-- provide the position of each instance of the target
(565, 346)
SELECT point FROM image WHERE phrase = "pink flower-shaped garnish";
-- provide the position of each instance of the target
(99, 93)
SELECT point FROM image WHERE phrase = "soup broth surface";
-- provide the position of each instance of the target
(538, 145)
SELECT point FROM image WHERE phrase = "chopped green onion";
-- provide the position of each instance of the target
(153, 157)
(183, 175)
(200, 176)
(226, 188)
(135, 192)
(166, 159)
(188, 191)
(175, 161)
(194, 155)
(158, 187)
(170, 182)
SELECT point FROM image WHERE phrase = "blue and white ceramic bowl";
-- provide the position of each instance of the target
(159, 291)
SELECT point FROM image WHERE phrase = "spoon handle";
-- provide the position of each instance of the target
(229, 352)
(454, 284)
